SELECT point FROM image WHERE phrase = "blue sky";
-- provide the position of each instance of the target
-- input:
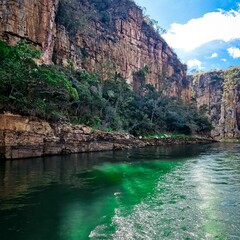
(205, 34)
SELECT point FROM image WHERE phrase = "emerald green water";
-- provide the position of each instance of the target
(177, 192)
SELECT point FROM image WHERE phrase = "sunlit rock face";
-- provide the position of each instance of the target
(126, 41)
(23, 137)
(30, 20)
(217, 93)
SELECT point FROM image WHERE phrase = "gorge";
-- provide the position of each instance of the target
(104, 135)
(81, 36)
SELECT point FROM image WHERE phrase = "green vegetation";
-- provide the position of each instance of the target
(233, 73)
(30, 89)
(75, 15)
(231, 83)
(167, 135)
(79, 15)
(231, 140)
(101, 100)
(232, 78)
(154, 24)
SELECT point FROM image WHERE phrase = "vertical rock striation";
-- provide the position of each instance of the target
(30, 20)
(130, 44)
(124, 40)
(217, 93)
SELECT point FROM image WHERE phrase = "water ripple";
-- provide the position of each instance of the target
(195, 200)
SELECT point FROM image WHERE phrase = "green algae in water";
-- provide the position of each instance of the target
(181, 192)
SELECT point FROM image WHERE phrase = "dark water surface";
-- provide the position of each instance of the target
(177, 192)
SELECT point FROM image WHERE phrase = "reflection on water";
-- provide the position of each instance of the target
(177, 192)
(19, 175)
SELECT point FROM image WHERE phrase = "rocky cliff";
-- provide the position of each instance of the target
(30, 20)
(217, 94)
(113, 36)
(87, 34)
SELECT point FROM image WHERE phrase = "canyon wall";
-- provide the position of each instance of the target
(123, 43)
(217, 94)
(29, 20)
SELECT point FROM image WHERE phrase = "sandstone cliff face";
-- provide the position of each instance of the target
(230, 109)
(128, 42)
(30, 20)
(217, 93)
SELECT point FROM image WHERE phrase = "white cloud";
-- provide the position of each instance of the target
(194, 63)
(212, 26)
(234, 52)
(214, 55)
(224, 59)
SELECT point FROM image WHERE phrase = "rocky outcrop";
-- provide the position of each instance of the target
(23, 137)
(217, 94)
(124, 41)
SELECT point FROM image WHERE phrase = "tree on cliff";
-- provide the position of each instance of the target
(31, 89)
(101, 99)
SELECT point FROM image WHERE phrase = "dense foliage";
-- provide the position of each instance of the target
(60, 94)
(31, 89)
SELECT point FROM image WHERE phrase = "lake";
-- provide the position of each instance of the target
(174, 192)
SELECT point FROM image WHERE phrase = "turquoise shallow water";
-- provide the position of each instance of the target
(177, 192)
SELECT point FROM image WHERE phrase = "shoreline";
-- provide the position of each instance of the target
(22, 137)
